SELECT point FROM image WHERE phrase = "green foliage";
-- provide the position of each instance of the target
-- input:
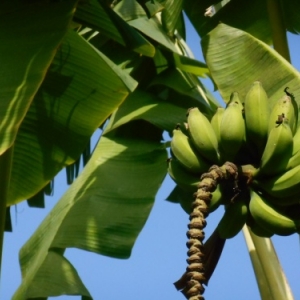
(73, 67)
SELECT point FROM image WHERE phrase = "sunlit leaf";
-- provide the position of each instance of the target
(251, 17)
(243, 59)
(30, 34)
(107, 22)
(81, 89)
(142, 105)
(185, 84)
(103, 211)
(170, 15)
(153, 29)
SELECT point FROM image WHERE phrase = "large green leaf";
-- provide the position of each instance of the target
(187, 85)
(248, 16)
(107, 22)
(291, 13)
(171, 15)
(143, 105)
(30, 33)
(153, 29)
(243, 59)
(81, 89)
(103, 211)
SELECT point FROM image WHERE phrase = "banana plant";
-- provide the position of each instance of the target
(74, 67)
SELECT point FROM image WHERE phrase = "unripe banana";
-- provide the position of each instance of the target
(278, 150)
(217, 199)
(283, 201)
(216, 121)
(270, 218)
(294, 161)
(296, 142)
(257, 114)
(186, 154)
(203, 135)
(232, 130)
(282, 185)
(260, 231)
(184, 179)
(295, 158)
(285, 108)
(234, 219)
(256, 228)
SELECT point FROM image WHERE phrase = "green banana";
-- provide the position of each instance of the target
(295, 157)
(257, 114)
(296, 142)
(232, 129)
(294, 161)
(217, 199)
(256, 228)
(270, 218)
(216, 121)
(278, 150)
(184, 179)
(203, 135)
(283, 185)
(285, 108)
(183, 150)
(260, 231)
(283, 201)
(234, 218)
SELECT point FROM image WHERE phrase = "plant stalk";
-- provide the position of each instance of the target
(278, 29)
(261, 279)
(277, 282)
(5, 170)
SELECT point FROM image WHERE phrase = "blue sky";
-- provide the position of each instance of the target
(158, 257)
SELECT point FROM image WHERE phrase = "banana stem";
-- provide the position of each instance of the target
(278, 29)
(270, 266)
(192, 281)
(262, 282)
(5, 167)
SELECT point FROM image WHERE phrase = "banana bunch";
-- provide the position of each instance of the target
(263, 141)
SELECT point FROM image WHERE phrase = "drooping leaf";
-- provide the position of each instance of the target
(63, 279)
(190, 65)
(291, 13)
(30, 33)
(243, 59)
(81, 89)
(103, 211)
(187, 85)
(170, 15)
(153, 29)
(153, 7)
(8, 224)
(143, 105)
(102, 18)
(251, 17)
(129, 10)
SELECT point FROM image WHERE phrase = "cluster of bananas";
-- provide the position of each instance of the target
(265, 145)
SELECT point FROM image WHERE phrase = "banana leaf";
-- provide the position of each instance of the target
(103, 211)
(171, 15)
(30, 35)
(243, 59)
(103, 19)
(250, 17)
(143, 105)
(81, 82)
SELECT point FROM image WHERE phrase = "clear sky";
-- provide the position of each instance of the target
(158, 257)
